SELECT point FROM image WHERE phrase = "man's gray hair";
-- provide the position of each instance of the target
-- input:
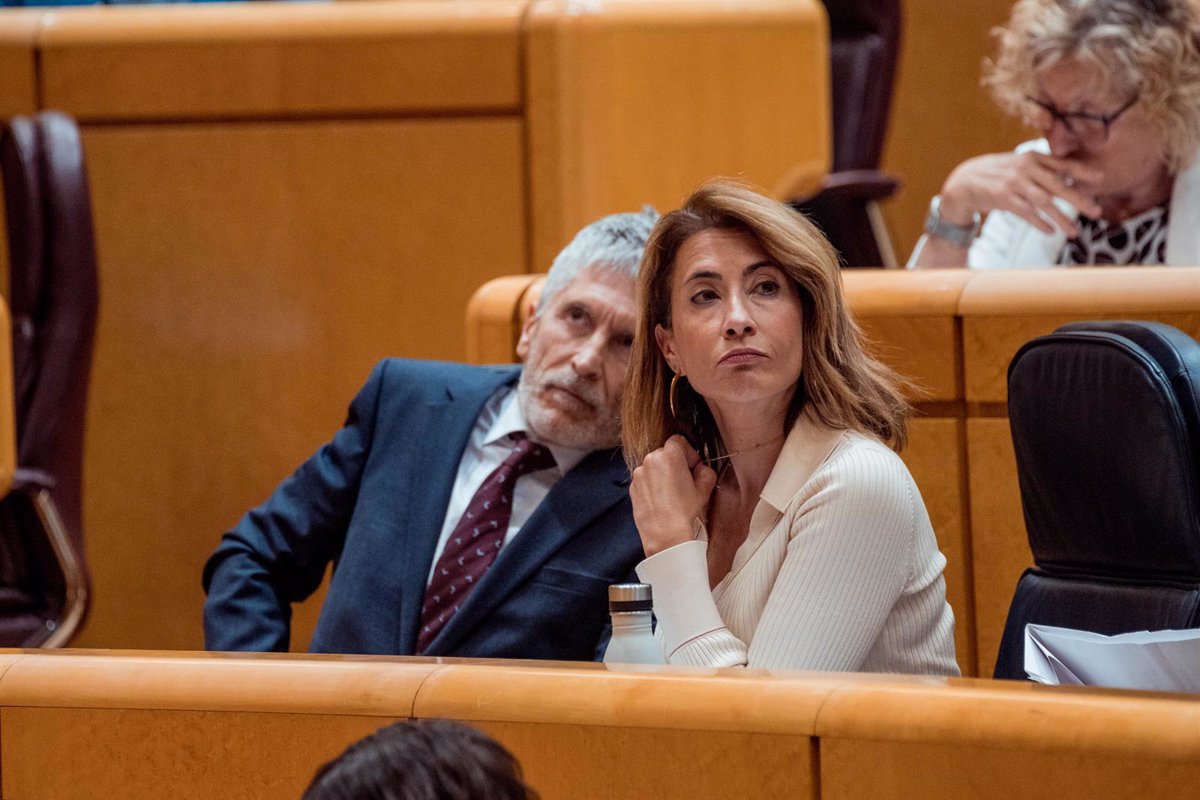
(615, 243)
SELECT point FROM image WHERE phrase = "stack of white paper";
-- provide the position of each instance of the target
(1167, 661)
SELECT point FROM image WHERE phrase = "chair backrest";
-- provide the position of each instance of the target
(1106, 430)
(53, 295)
(864, 46)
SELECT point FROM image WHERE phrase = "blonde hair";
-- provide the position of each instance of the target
(1151, 47)
(841, 385)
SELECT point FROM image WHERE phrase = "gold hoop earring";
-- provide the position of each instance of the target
(671, 393)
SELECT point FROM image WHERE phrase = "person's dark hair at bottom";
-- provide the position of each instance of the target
(422, 760)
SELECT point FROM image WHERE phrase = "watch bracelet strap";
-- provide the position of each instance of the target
(941, 228)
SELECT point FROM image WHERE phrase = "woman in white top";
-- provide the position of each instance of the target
(1113, 87)
(780, 531)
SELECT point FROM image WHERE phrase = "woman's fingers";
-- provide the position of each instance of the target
(1078, 172)
(1041, 204)
(685, 449)
(667, 496)
(1025, 184)
(704, 478)
(1072, 181)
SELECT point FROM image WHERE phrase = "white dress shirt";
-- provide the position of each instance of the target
(487, 449)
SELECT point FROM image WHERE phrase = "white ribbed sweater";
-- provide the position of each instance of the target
(840, 571)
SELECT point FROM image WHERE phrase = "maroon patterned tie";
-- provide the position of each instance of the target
(476, 540)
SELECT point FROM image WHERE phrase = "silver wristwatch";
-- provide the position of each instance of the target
(944, 229)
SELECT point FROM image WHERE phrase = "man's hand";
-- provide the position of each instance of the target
(1024, 184)
(670, 490)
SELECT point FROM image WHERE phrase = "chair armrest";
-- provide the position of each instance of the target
(856, 184)
(30, 481)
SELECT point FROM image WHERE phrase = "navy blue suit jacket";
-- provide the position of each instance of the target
(373, 501)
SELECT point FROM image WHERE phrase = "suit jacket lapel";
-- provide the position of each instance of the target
(444, 424)
(584, 493)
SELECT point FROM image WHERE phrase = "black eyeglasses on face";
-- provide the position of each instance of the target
(1088, 127)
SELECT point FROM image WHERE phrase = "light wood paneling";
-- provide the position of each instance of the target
(18, 88)
(155, 725)
(576, 762)
(267, 683)
(160, 725)
(1001, 740)
(18, 66)
(251, 275)
(999, 546)
(641, 696)
(633, 102)
(909, 319)
(872, 770)
(587, 732)
(283, 60)
(495, 316)
(941, 115)
(168, 755)
(1004, 309)
(935, 459)
(1015, 715)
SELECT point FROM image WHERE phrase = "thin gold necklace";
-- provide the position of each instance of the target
(727, 456)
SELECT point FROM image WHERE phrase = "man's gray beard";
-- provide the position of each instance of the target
(602, 435)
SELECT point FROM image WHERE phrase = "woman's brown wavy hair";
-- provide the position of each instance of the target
(840, 384)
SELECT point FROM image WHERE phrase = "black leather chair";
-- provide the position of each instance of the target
(1106, 426)
(53, 298)
(863, 49)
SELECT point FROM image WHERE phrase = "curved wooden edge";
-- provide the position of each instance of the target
(20, 25)
(916, 293)
(1081, 291)
(993, 714)
(214, 682)
(1017, 715)
(754, 701)
(975, 293)
(767, 13)
(495, 314)
(273, 23)
(529, 300)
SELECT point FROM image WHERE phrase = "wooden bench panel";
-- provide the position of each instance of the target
(999, 740)
(1003, 309)
(155, 725)
(666, 733)
(166, 754)
(18, 65)
(244, 304)
(188, 63)
(632, 102)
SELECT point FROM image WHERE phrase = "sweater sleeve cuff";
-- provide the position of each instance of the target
(683, 603)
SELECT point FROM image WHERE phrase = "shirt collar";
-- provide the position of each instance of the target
(511, 419)
(807, 446)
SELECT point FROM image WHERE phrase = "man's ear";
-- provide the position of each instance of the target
(531, 323)
(666, 343)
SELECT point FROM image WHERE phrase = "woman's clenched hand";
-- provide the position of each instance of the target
(669, 491)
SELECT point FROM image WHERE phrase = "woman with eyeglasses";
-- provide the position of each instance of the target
(1113, 86)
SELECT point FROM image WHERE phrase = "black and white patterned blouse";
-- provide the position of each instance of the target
(1139, 240)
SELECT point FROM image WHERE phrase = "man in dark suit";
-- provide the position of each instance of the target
(469, 511)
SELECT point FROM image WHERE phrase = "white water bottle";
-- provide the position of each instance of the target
(632, 642)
